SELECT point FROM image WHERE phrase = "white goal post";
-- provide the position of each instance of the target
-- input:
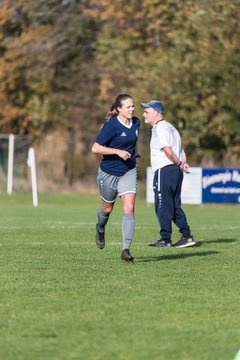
(30, 162)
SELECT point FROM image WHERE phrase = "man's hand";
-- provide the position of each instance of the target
(184, 167)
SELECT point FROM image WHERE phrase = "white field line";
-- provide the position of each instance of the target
(62, 225)
(79, 243)
(66, 226)
(74, 243)
(219, 226)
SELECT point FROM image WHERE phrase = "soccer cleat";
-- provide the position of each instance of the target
(185, 242)
(161, 243)
(100, 238)
(126, 255)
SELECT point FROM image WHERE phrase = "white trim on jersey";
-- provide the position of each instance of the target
(127, 126)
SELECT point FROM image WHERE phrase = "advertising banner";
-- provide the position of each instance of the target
(191, 187)
(221, 186)
(205, 185)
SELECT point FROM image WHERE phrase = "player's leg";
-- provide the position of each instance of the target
(127, 188)
(108, 191)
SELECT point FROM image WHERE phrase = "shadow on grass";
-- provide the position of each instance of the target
(219, 241)
(175, 256)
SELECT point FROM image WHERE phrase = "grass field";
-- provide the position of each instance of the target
(62, 298)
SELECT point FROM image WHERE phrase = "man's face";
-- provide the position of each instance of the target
(150, 115)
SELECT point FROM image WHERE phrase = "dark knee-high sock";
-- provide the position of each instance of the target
(128, 226)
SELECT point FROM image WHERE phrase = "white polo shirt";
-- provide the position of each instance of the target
(164, 134)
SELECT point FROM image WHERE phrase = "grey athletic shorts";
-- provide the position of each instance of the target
(110, 185)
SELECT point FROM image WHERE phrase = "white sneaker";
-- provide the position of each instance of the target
(185, 242)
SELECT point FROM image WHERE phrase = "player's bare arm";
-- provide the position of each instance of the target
(104, 150)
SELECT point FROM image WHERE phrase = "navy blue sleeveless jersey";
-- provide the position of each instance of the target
(115, 135)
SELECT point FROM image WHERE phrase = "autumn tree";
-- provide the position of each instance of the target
(183, 53)
(73, 82)
(23, 94)
(47, 70)
(63, 62)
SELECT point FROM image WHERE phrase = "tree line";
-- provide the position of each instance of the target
(62, 62)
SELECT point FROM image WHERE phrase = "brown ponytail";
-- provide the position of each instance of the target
(116, 104)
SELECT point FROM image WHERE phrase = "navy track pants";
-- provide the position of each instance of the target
(167, 184)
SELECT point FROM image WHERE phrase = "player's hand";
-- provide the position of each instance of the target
(125, 155)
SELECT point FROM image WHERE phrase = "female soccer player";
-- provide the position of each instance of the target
(117, 174)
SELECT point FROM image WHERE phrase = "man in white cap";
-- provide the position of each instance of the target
(168, 161)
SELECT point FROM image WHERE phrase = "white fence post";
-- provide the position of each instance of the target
(32, 165)
(10, 163)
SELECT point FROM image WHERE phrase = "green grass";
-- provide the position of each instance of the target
(62, 298)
